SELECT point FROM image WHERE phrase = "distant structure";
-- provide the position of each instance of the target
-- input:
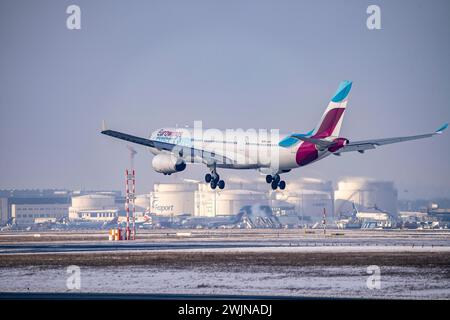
(29, 206)
(3, 210)
(93, 207)
(142, 203)
(368, 218)
(225, 202)
(440, 214)
(173, 199)
(356, 203)
(24, 208)
(306, 198)
(365, 193)
(130, 197)
(28, 214)
(309, 198)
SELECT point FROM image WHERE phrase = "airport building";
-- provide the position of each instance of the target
(39, 202)
(27, 214)
(365, 193)
(39, 205)
(93, 207)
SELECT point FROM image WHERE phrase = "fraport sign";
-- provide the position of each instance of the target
(161, 208)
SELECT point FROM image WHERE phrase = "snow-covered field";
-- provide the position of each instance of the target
(326, 249)
(342, 281)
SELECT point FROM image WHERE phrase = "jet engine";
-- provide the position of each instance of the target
(168, 163)
(338, 143)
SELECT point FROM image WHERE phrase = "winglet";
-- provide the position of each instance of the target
(104, 128)
(441, 129)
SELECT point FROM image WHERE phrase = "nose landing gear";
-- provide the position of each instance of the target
(275, 182)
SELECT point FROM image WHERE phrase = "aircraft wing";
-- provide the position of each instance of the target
(208, 157)
(361, 146)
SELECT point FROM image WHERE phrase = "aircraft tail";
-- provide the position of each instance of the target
(331, 121)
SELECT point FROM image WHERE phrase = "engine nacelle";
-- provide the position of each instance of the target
(338, 143)
(168, 163)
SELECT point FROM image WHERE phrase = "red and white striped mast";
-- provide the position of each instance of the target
(127, 205)
(130, 196)
(133, 202)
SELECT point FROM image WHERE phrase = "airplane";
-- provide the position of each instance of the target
(173, 148)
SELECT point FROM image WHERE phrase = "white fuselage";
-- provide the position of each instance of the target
(247, 149)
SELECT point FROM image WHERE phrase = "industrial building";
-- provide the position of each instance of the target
(142, 204)
(309, 197)
(28, 214)
(365, 193)
(35, 202)
(3, 210)
(45, 205)
(301, 204)
(225, 202)
(93, 207)
(173, 199)
(306, 197)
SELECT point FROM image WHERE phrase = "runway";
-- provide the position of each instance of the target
(222, 263)
(220, 246)
(23, 243)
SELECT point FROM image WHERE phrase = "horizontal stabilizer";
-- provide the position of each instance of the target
(322, 144)
(290, 140)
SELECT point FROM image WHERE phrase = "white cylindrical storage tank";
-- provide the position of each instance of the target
(142, 203)
(310, 197)
(210, 203)
(237, 183)
(309, 203)
(230, 202)
(171, 199)
(90, 202)
(309, 184)
(93, 201)
(366, 193)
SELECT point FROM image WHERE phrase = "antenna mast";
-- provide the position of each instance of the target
(130, 195)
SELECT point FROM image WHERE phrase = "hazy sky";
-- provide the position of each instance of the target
(141, 65)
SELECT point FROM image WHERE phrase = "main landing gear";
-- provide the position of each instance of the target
(275, 182)
(213, 179)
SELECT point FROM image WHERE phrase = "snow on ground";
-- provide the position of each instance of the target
(346, 281)
(322, 249)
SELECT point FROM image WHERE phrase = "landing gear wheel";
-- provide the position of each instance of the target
(269, 178)
(282, 185)
(274, 185)
(213, 184)
(215, 177)
(276, 178)
(221, 184)
(208, 178)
